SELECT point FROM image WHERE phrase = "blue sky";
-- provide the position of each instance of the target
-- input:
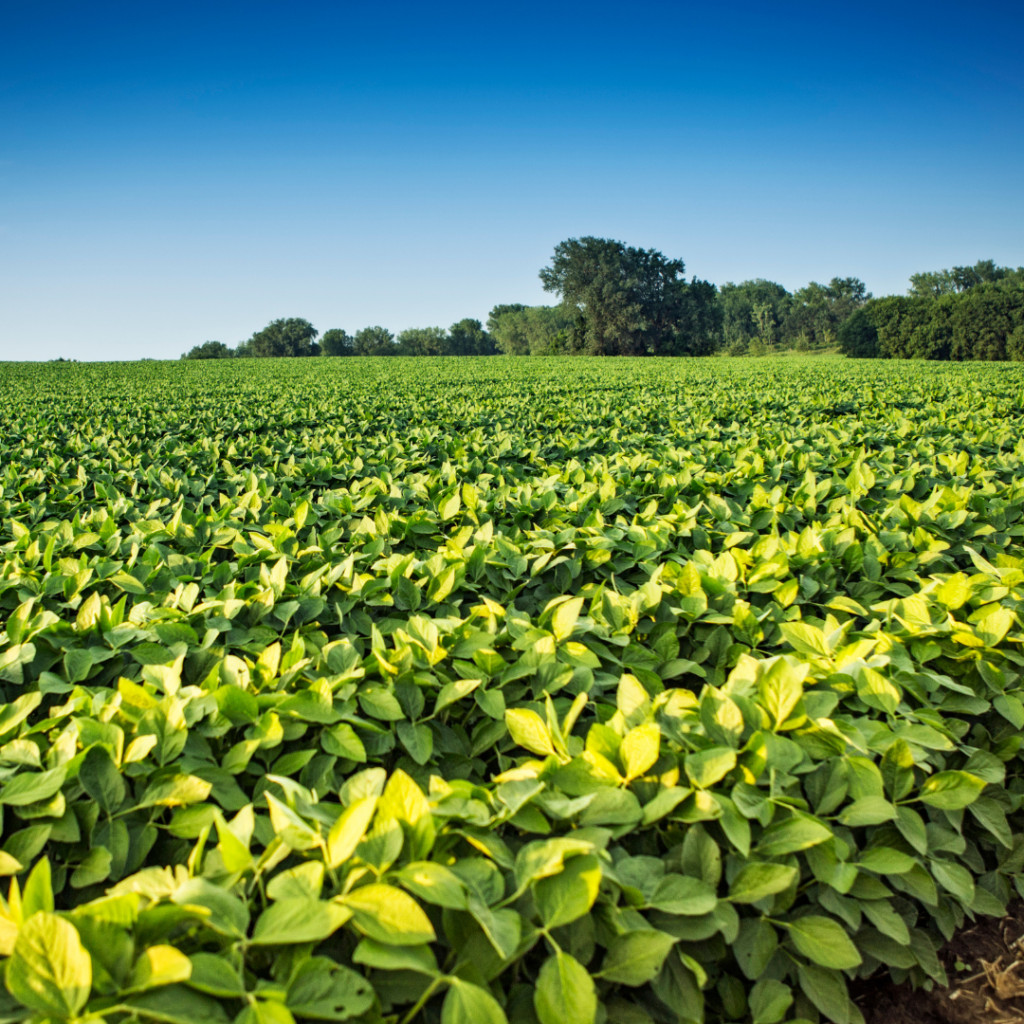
(172, 173)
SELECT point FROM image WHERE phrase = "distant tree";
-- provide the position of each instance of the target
(520, 330)
(423, 341)
(698, 327)
(209, 350)
(1015, 344)
(243, 350)
(629, 300)
(984, 319)
(817, 310)
(931, 284)
(764, 324)
(505, 325)
(738, 301)
(935, 283)
(858, 336)
(286, 337)
(374, 341)
(336, 342)
(468, 338)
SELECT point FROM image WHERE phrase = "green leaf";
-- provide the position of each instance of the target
(798, 832)
(634, 958)
(449, 506)
(326, 990)
(38, 891)
(159, 965)
(565, 992)
(404, 802)
(348, 830)
(465, 1003)
(49, 971)
(565, 616)
(706, 767)
(827, 991)
(769, 1000)
(264, 1011)
(876, 691)
(567, 896)
(683, 896)
(101, 780)
(296, 920)
(639, 750)
(952, 790)
(782, 687)
(434, 883)
(528, 730)
(343, 741)
(177, 791)
(389, 915)
(823, 941)
(381, 957)
(803, 637)
(884, 860)
(418, 740)
(757, 880)
(215, 976)
(954, 878)
(32, 787)
(381, 704)
(868, 810)
(216, 907)
(177, 1004)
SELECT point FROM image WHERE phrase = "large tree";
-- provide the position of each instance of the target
(818, 310)
(336, 342)
(629, 301)
(374, 341)
(468, 338)
(209, 350)
(286, 337)
(753, 309)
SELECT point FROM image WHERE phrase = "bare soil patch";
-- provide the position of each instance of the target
(985, 965)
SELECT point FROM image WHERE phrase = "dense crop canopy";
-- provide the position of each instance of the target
(479, 691)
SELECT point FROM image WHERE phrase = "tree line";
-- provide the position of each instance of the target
(618, 300)
(963, 313)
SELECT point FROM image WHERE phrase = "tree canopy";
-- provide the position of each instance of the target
(209, 350)
(982, 321)
(286, 337)
(628, 301)
(336, 342)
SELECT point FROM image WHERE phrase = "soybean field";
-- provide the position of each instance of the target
(492, 691)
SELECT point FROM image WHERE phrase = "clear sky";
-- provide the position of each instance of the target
(172, 173)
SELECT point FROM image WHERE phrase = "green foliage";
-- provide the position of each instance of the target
(503, 691)
(738, 303)
(373, 341)
(520, 330)
(979, 321)
(629, 301)
(465, 338)
(817, 311)
(286, 337)
(336, 342)
(933, 284)
(209, 350)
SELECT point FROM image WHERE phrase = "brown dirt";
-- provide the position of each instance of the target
(985, 966)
